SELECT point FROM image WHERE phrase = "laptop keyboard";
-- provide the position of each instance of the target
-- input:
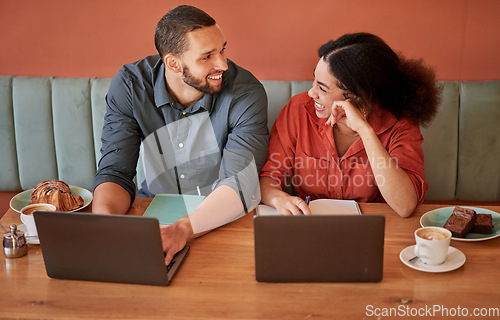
(170, 265)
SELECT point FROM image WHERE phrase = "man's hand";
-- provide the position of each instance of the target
(217, 209)
(175, 236)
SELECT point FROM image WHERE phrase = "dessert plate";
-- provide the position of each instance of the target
(29, 239)
(22, 199)
(438, 217)
(454, 260)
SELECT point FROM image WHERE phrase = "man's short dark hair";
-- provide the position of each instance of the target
(171, 30)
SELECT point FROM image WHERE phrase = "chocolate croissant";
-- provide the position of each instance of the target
(58, 193)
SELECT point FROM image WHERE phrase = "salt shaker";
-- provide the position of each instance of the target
(14, 243)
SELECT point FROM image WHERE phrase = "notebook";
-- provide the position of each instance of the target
(319, 206)
(168, 208)
(108, 248)
(319, 248)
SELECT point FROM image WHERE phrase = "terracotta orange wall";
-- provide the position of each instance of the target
(276, 40)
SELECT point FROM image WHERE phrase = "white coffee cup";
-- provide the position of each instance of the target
(29, 220)
(432, 244)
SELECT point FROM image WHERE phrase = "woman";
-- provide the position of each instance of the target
(356, 133)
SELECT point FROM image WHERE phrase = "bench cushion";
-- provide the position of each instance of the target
(51, 128)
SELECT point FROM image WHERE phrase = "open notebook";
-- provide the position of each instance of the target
(319, 207)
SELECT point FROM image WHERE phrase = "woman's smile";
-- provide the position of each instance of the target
(319, 107)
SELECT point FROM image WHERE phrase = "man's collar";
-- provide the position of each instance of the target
(161, 95)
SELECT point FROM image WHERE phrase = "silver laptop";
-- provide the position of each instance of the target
(109, 248)
(322, 248)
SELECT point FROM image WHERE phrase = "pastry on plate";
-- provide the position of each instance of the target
(461, 221)
(58, 193)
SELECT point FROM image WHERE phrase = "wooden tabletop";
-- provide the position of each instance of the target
(217, 281)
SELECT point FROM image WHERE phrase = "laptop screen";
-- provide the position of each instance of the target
(109, 248)
(335, 248)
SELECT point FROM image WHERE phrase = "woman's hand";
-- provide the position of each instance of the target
(347, 113)
(287, 205)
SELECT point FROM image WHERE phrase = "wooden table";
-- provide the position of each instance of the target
(217, 281)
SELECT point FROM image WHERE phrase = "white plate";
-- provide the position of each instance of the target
(454, 260)
(438, 217)
(29, 239)
(22, 199)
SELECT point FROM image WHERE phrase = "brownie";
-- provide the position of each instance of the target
(461, 221)
(483, 224)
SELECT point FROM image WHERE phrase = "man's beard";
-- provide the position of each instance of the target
(197, 83)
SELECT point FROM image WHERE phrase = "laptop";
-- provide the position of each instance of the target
(108, 248)
(319, 248)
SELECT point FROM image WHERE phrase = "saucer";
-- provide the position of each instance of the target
(454, 260)
(29, 239)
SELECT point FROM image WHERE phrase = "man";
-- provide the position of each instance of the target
(202, 121)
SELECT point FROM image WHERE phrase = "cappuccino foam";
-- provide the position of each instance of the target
(32, 209)
(432, 234)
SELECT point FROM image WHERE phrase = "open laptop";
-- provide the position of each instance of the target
(109, 248)
(319, 248)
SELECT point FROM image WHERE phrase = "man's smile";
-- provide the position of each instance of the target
(215, 77)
